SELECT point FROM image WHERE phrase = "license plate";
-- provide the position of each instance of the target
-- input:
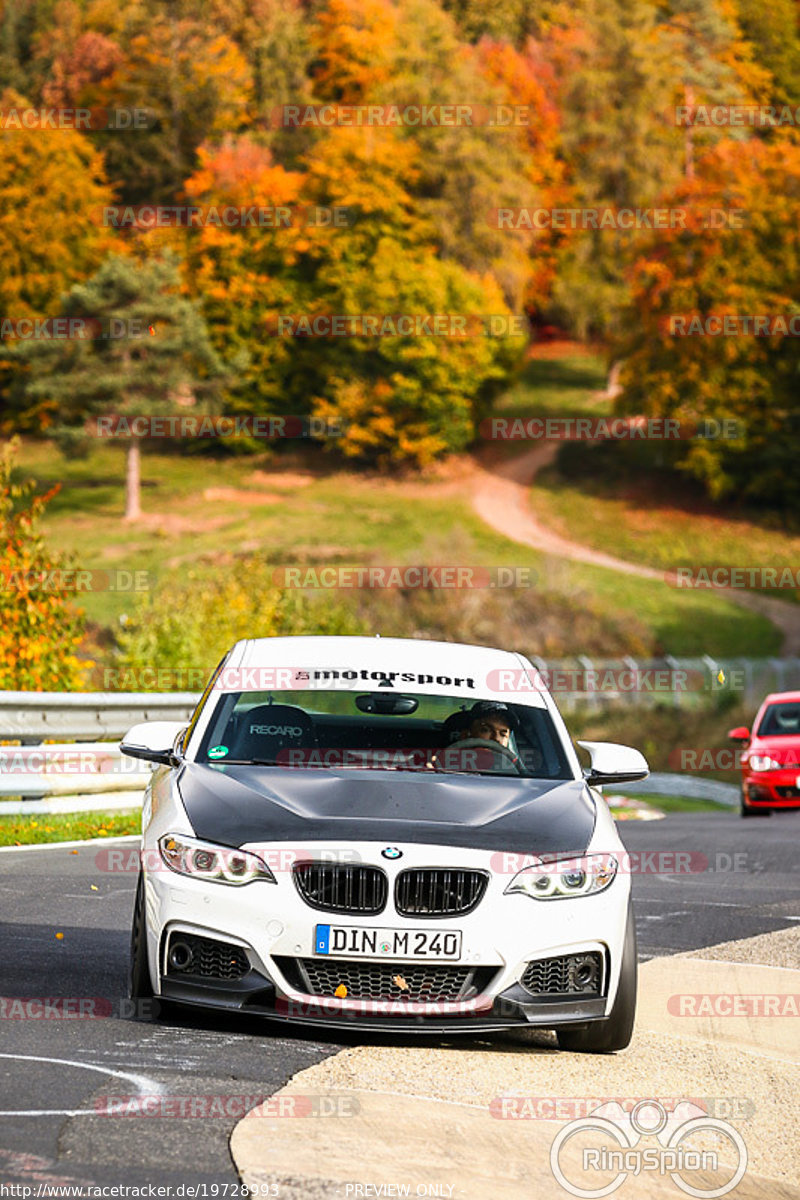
(355, 941)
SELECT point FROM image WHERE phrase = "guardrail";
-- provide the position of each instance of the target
(73, 769)
(80, 768)
(35, 716)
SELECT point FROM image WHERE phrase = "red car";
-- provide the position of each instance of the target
(771, 756)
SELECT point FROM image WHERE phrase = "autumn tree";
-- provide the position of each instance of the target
(17, 29)
(39, 627)
(713, 62)
(740, 265)
(52, 191)
(623, 67)
(247, 275)
(772, 27)
(72, 58)
(509, 20)
(146, 348)
(526, 80)
(386, 53)
(192, 82)
(404, 398)
(274, 37)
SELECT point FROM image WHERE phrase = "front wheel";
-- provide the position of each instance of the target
(615, 1031)
(140, 985)
(744, 811)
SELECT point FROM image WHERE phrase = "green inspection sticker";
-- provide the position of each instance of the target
(218, 752)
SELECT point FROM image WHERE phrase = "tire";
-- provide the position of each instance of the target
(140, 985)
(615, 1031)
(744, 811)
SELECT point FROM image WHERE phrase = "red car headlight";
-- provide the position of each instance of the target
(763, 762)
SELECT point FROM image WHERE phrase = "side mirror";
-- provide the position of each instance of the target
(612, 763)
(154, 741)
(740, 734)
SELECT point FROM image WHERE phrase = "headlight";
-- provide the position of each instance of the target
(215, 864)
(763, 762)
(563, 878)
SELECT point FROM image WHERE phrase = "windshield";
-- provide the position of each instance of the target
(383, 731)
(781, 720)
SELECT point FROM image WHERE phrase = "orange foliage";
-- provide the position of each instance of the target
(355, 38)
(39, 630)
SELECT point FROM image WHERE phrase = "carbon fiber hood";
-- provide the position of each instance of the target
(232, 805)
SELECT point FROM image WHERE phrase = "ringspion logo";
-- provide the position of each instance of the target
(681, 1136)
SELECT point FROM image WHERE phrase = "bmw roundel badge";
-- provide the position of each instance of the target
(391, 852)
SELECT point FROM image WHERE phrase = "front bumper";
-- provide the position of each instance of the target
(272, 932)
(512, 1009)
(773, 789)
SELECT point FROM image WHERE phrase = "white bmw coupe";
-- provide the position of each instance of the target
(384, 834)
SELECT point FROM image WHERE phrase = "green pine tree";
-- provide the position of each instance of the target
(150, 347)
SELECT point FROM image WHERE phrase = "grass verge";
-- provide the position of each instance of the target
(67, 827)
(673, 804)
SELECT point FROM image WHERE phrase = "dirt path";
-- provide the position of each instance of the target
(500, 496)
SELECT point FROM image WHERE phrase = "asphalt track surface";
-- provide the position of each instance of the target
(744, 880)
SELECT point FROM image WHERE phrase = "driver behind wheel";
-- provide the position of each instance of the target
(487, 721)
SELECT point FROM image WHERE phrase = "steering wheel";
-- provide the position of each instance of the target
(484, 744)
